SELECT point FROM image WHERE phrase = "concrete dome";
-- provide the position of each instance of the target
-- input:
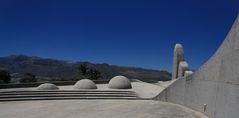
(47, 86)
(120, 82)
(85, 84)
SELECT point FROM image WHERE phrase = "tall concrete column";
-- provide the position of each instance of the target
(177, 58)
(183, 66)
(188, 73)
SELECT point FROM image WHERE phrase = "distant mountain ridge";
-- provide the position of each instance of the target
(53, 68)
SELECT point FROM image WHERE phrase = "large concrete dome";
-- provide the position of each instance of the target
(85, 84)
(47, 86)
(120, 82)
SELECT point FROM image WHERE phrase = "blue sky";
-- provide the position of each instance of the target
(140, 33)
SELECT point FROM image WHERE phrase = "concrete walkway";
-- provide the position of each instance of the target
(95, 109)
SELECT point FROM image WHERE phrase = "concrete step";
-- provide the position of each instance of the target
(68, 95)
(65, 94)
(66, 91)
(69, 98)
(96, 91)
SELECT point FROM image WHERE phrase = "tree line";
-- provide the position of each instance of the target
(85, 72)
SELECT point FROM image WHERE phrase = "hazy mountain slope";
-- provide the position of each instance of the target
(58, 68)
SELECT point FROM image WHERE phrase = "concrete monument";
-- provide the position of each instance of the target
(178, 57)
(120, 82)
(214, 88)
(85, 84)
(47, 86)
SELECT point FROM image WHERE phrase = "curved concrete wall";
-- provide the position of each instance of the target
(214, 88)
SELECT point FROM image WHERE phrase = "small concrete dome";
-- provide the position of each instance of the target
(47, 86)
(120, 82)
(85, 84)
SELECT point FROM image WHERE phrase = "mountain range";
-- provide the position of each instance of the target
(53, 68)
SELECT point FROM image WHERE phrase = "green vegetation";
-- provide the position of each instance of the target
(4, 76)
(83, 69)
(93, 74)
(84, 72)
(28, 78)
(61, 79)
(89, 73)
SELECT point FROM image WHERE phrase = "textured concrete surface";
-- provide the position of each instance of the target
(215, 85)
(95, 109)
(120, 82)
(85, 84)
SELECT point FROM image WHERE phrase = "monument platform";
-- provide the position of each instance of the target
(95, 109)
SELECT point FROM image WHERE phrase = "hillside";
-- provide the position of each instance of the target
(52, 68)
